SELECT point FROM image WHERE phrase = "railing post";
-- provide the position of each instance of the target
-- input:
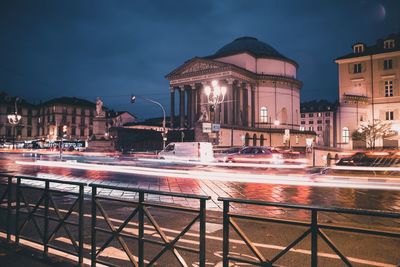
(81, 225)
(9, 201)
(314, 238)
(17, 208)
(93, 245)
(202, 255)
(46, 218)
(141, 231)
(225, 249)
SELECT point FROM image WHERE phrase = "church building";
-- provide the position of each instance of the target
(247, 93)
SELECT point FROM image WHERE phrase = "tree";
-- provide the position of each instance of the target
(369, 133)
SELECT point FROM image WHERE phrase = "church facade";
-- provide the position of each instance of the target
(261, 102)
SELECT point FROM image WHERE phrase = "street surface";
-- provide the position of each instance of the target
(277, 185)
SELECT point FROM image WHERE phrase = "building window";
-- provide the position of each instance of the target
(302, 128)
(389, 115)
(345, 135)
(297, 139)
(82, 132)
(327, 114)
(357, 68)
(319, 128)
(73, 131)
(303, 122)
(311, 128)
(327, 122)
(361, 118)
(388, 44)
(19, 131)
(74, 111)
(91, 120)
(263, 115)
(83, 120)
(310, 122)
(29, 120)
(73, 119)
(302, 115)
(359, 48)
(90, 132)
(388, 64)
(319, 114)
(29, 132)
(388, 88)
(310, 115)
(319, 122)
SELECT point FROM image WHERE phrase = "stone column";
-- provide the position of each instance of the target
(236, 100)
(230, 104)
(182, 107)
(193, 105)
(253, 106)
(188, 92)
(199, 89)
(172, 115)
(245, 105)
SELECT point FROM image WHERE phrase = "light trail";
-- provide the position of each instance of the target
(301, 180)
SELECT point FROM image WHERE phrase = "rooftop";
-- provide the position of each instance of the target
(377, 48)
(252, 46)
(317, 105)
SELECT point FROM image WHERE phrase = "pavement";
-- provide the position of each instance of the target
(15, 256)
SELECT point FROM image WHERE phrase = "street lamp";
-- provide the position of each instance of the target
(14, 119)
(63, 134)
(215, 94)
(164, 136)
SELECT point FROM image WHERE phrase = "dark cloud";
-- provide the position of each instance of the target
(112, 49)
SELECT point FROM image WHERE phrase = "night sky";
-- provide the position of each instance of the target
(114, 48)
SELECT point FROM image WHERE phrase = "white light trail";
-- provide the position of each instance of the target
(301, 180)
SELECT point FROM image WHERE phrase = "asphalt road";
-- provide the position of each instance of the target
(269, 238)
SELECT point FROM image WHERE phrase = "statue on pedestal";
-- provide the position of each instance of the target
(99, 108)
(203, 115)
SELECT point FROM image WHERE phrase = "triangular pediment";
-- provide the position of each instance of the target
(197, 65)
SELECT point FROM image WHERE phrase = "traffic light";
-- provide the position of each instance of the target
(133, 99)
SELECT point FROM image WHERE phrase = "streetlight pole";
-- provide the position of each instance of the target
(14, 119)
(164, 136)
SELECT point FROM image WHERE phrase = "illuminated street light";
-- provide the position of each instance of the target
(215, 94)
(14, 119)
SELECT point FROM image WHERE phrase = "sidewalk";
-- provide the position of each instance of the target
(11, 255)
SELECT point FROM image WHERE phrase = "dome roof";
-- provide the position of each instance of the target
(252, 46)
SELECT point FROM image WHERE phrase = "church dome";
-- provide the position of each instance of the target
(250, 45)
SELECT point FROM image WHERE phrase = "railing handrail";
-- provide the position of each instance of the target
(149, 191)
(43, 179)
(365, 212)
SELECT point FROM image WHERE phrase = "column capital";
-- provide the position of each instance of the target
(230, 81)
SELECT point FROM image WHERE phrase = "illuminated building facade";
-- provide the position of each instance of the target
(369, 91)
(261, 104)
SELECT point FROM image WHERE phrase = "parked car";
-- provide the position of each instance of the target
(255, 154)
(370, 159)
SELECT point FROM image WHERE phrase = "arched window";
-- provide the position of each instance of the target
(261, 140)
(345, 135)
(254, 139)
(246, 139)
(264, 115)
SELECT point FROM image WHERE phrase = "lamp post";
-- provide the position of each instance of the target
(14, 119)
(164, 136)
(63, 134)
(215, 94)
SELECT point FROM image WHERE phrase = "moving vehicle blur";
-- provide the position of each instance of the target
(190, 151)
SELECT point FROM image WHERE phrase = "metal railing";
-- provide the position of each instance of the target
(143, 212)
(314, 228)
(44, 214)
